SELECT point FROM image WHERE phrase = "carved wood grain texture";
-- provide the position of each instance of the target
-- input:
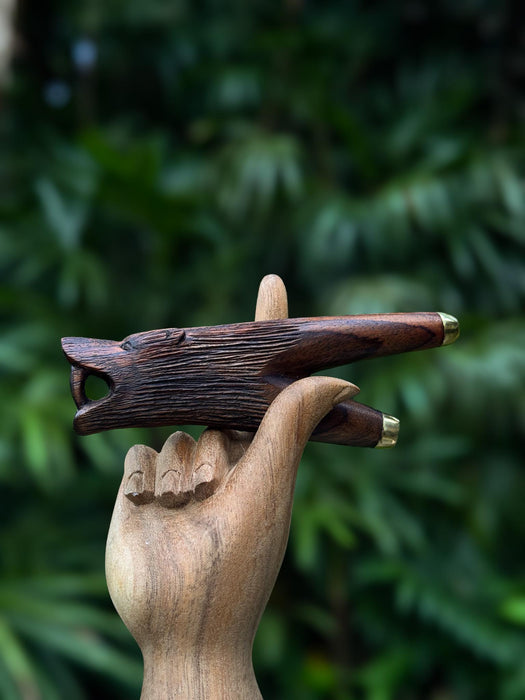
(226, 376)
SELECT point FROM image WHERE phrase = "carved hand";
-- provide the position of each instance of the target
(197, 539)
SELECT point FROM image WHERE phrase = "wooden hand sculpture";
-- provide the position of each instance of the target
(199, 530)
(198, 535)
(196, 541)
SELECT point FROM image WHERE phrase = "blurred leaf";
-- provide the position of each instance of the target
(513, 609)
(66, 219)
(255, 168)
(18, 664)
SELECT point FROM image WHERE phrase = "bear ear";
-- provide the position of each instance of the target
(138, 341)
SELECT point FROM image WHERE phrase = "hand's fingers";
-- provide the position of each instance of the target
(173, 486)
(210, 463)
(139, 474)
(272, 302)
(274, 453)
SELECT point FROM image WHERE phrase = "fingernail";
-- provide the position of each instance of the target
(169, 494)
(347, 392)
(204, 481)
(135, 489)
(450, 328)
(390, 431)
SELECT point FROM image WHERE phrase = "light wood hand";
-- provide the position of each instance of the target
(198, 535)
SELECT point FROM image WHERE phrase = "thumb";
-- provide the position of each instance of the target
(273, 456)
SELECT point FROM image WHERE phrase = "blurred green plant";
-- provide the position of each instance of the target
(159, 159)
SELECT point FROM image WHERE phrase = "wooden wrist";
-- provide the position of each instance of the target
(198, 674)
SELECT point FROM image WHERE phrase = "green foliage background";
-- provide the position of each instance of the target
(373, 155)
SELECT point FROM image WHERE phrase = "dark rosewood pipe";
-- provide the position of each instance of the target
(226, 376)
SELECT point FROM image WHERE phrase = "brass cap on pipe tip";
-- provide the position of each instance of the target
(450, 328)
(390, 431)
